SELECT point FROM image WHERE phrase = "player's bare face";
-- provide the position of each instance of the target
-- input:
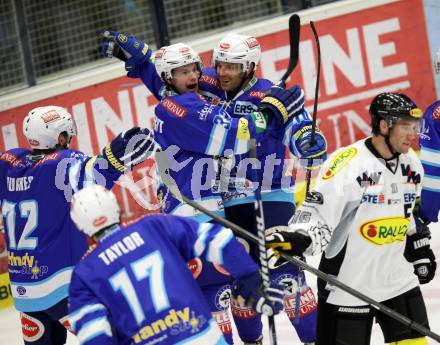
(186, 78)
(403, 134)
(230, 75)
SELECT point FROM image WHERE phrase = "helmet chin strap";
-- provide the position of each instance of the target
(394, 153)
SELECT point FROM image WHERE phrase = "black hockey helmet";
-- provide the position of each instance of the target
(392, 107)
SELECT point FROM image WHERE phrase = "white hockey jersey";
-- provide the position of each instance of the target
(359, 214)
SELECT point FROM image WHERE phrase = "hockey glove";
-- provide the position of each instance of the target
(126, 48)
(129, 148)
(281, 239)
(283, 104)
(249, 291)
(311, 155)
(419, 253)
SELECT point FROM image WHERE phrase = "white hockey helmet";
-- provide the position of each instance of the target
(235, 48)
(94, 208)
(43, 125)
(176, 55)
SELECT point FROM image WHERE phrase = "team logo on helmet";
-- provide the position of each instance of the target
(225, 46)
(122, 38)
(99, 221)
(252, 42)
(184, 50)
(33, 142)
(50, 116)
(417, 113)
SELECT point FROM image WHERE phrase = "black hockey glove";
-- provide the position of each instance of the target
(129, 148)
(419, 253)
(283, 104)
(249, 291)
(281, 239)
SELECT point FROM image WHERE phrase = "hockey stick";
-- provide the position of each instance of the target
(261, 228)
(162, 163)
(294, 30)
(315, 107)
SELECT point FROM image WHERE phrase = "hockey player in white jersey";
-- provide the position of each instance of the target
(360, 217)
(135, 287)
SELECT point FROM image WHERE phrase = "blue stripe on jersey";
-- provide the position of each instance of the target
(42, 303)
(80, 313)
(202, 232)
(210, 335)
(94, 328)
(216, 245)
(430, 163)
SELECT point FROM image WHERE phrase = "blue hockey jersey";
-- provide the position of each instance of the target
(430, 157)
(43, 243)
(135, 287)
(277, 183)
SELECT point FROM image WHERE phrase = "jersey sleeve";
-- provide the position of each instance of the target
(212, 242)
(148, 74)
(87, 315)
(335, 195)
(430, 157)
(193, 124)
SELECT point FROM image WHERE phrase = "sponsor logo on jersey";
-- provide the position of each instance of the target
(32, 328)
(339, 161)
(314, 198)
(174, 108)
(385, 230)
(412, 176)
(11, 159)
(223, 298)
(373, 198)
(243, 107)
(409, 197)
(122, 38)
(20, 260)
(257, 94)
(21, 290)
(307, 304)
(51, 157)
(210, 80)
(241, 311)
(158, 125)
(243, 129)
(222, 320)
(369, 179)
(436, 113)
(176, 321)
(195, 266)
(50, 116)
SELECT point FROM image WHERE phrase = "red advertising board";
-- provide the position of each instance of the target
(363, 53)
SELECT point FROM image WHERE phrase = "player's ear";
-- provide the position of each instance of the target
(383, 127)
(62, 139)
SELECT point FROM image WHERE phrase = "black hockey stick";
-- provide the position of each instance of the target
(294, 30)
(315, 108)
(261, 228)
(162, 163)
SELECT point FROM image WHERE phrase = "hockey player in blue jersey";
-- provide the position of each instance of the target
(429, 203)
(135, 286)
(43, 244)
(430, 157)
(239, 92)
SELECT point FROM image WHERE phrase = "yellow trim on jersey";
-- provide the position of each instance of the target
(113, 160)
(277, 104)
